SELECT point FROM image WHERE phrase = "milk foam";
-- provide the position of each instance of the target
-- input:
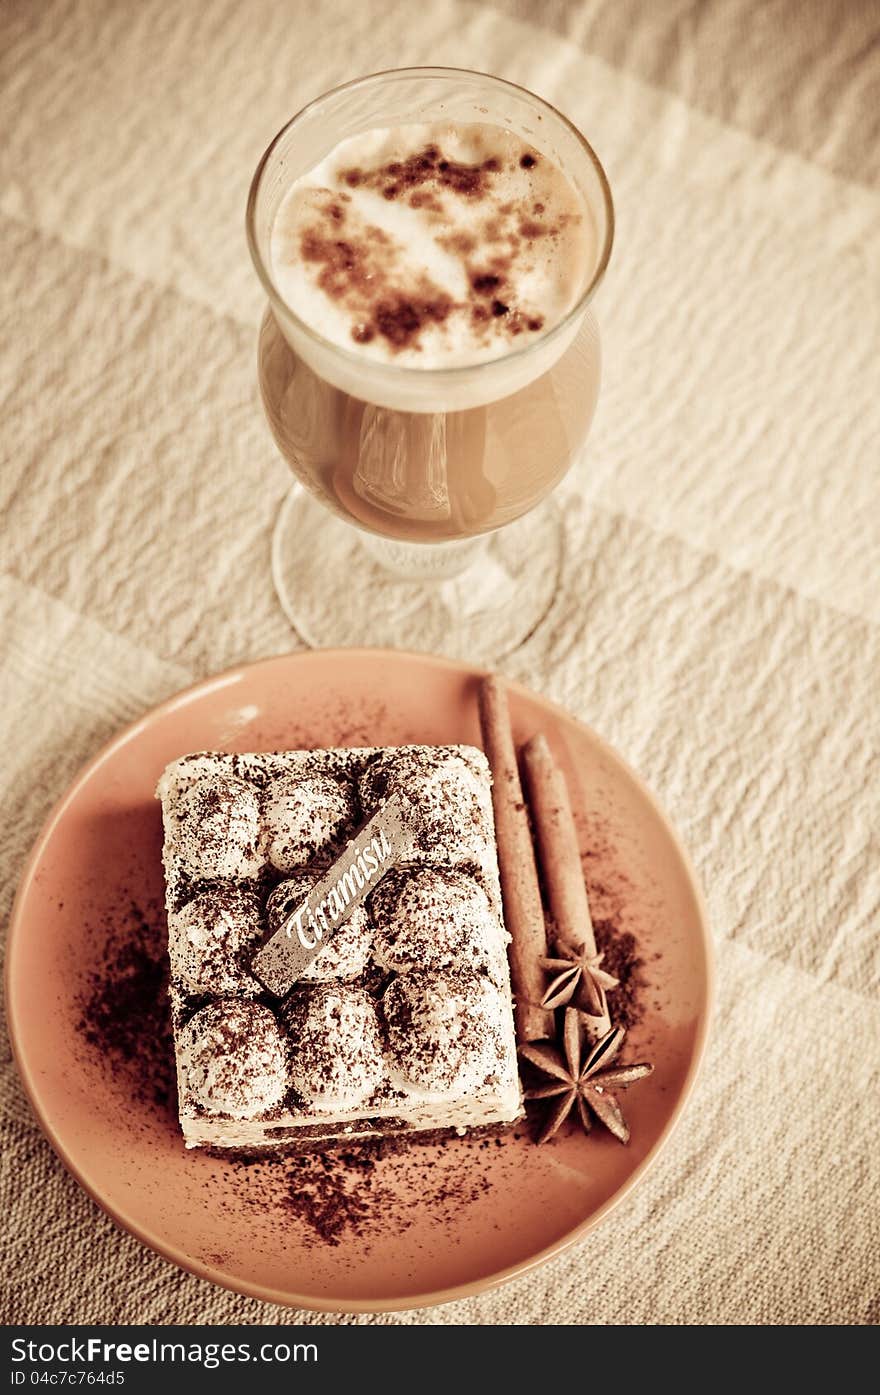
(433, 246)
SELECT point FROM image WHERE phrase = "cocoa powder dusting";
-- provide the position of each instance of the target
(360, 267)
(621, 958)
(427, 166)
(125, 1011)
(357, 269)
(400, 318)
(340, 1193)
(612, 895)
(483, 282)
(530, 228)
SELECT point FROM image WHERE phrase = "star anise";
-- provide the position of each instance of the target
(584, 1076)
(577, 969)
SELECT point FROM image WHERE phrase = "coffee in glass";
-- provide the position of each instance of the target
(429, 366)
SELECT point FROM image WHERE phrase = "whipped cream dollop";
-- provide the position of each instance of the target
(433, 245)
(344, 955)
(233, 1058)
(447, 793)
(210, 939)
(433, 918)
(304, 820)
(215, 826)
(336, 1053)
(446, 1031)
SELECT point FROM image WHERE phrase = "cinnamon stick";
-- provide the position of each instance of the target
(560, 856)
(558, 845)
(520, 890)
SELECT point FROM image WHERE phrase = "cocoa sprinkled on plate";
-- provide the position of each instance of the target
(620, 957)
(125, 1010)
(343, 1192)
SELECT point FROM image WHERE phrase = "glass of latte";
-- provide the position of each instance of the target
(430, 241)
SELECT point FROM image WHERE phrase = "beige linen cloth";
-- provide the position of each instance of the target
(718, 616)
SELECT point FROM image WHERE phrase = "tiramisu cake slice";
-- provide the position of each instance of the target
(402, 1021)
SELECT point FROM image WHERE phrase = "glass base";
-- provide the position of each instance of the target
(478, 600)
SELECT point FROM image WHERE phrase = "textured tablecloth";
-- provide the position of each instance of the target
(718, 614)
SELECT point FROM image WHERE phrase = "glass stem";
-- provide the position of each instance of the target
(423, 561)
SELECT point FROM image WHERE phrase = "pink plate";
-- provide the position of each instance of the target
(424, 1225)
